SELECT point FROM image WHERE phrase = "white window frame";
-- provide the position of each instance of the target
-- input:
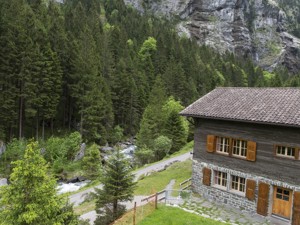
(222, 176)
(282, 151)
(240, 146)
(239, 184)
(221, 145)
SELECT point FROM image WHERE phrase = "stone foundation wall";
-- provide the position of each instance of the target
(228, 197)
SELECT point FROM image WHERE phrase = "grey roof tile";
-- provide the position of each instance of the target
(262, 105)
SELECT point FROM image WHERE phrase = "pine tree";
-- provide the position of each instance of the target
(175, 131)
(118, 186)
(31, 198)
(152, 121)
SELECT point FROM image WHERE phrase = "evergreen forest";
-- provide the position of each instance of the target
(103, 70)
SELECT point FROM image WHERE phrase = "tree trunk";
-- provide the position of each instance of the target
(43, 130)
(70, 114)
(115, 207)
(52, 126)
(20, 116)
(37, 127)
(81, 123)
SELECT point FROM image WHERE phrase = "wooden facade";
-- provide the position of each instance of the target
(266, 138)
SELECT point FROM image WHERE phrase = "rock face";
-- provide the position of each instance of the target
(254, 28)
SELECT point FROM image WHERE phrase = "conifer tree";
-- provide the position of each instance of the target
(118, 186)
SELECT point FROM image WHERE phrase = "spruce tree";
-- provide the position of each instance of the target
(118, 186)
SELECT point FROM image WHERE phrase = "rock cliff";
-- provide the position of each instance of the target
(255, 28)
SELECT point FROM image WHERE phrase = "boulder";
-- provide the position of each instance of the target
(81, 152)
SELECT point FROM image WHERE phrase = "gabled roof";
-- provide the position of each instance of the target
(279, 106)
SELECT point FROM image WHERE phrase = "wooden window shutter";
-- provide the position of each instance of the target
(206, 176)
(296, 209)
(251, 151)
(250, 189)
(211, 143)
(263, 199)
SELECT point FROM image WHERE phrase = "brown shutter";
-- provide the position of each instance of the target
(251, 151)
(263, 199)
(211, 143)
(206, 176)
(296, 209)
(250, 189)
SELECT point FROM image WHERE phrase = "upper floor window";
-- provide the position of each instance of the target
(288, 152)
(222, 145)
(239, 148)
(232, 147)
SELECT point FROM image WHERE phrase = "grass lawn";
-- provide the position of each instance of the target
(141, 213)
(157, 181)
(166, 215)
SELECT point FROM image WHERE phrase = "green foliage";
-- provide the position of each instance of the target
(91, 163)
(23, 201)
(14, 151)
(148, 48)
(116, 135)
(175, 130)
(144, 155)
(62, 148)
(118, 186)
(162, 146)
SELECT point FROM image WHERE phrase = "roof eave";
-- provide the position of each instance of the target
(240, 120)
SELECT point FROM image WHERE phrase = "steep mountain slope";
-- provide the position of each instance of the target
(255, 28)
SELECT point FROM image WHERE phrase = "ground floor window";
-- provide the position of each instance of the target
(229, 182)
(238, 183)
(221, 178)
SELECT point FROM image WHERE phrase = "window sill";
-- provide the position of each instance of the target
(222, 153)
(286, 157)
(239, 157)
(220, 187)
(239, 193)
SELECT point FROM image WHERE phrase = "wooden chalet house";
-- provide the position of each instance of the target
(247, 147)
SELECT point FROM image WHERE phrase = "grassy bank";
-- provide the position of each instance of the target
(157, 181)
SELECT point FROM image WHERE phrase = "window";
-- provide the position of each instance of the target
(221, 179)
(283, 194)
(238, 183)
(223, 145)
(231, 147)
(285, 151)
(239, 148)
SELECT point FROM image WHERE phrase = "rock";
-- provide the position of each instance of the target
(3, 181)
(256, 29)
(106, 149)
(80, 154)
(2, 148)
(76, 179)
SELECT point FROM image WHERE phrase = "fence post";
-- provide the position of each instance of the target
(156, 196)
(134, 212)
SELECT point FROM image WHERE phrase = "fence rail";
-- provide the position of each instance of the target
(184, 182)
